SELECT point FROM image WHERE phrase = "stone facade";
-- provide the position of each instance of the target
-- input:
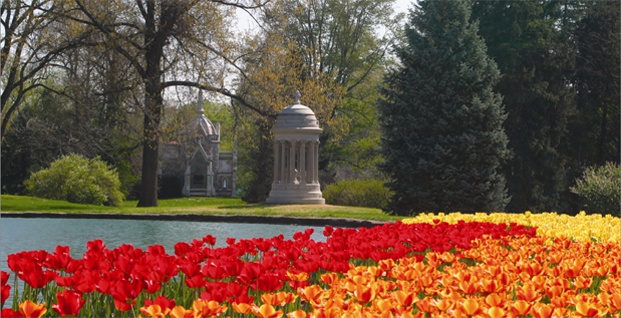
(196, 161)
(296, 157)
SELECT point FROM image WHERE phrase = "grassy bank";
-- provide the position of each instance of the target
(195, 205)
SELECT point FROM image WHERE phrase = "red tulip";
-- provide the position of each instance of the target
(124, 293)
(69, 303)
(161, 301)
(210, 240)
(5, 290)
(10, 313)
(328, 230)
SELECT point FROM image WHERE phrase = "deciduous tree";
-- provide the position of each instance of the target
(29, 44)
(167, 43)
(345, 41)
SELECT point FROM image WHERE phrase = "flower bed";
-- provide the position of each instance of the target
(433, 268)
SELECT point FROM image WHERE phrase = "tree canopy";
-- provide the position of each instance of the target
(110, 78)
(443, 141)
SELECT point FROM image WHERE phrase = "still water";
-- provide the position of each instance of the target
(28, 234)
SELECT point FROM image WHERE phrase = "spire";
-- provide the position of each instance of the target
(297, 96)
(200, 102)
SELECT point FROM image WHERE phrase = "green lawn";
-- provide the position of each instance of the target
(194, 205)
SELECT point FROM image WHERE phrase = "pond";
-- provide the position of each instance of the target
(27, 234)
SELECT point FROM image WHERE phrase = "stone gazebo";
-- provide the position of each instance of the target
(296, 157)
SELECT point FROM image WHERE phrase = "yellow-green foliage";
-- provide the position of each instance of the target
(600, 188)
(77, 179)
(360, 192)
(580, 227)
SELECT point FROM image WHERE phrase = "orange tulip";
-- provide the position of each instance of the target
(297, 314)
(269, 299)
(541, 310)
(311, 294)
(242, 308)
(299, 277)
(496, 312)
(493, 300)
(442, 304)
(208, 308)
(425, 281)
(573, 268)
(471, 307)
(538, 282)
(554, 291)
(555, 258)
(383, 306)
(180, 312)
(586, 309)
(468, 287)
(424, 305)
(583, 282)
(328, 278)
(267, 311)
(29, 309)
(386, 264)
(528, 293)
(561, 312)
(365, 293)
(614, 302)
(154, 311)
(403, 299)
(559, 301)
(520, 307)
(491, 285)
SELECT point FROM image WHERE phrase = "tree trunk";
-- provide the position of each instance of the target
(154, 50)
(148, 188)
(150, 148)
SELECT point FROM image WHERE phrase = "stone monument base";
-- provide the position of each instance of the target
(295, 194)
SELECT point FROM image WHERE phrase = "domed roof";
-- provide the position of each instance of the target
(200, 124)
(204, 126)
(297, 116)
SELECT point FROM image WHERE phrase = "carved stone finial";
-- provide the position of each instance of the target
(297, 96)
(200, 102)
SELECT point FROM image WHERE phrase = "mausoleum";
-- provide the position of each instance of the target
(296, 157)
(195, 161)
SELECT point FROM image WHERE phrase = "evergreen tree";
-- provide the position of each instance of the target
(596, 129)
(530, 42)
(443, 139)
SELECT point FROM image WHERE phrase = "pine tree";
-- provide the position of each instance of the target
(443, 140)
(531, 43)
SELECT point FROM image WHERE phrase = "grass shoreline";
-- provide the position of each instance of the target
(198, 209)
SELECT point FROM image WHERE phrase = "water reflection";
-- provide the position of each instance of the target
(27, 234)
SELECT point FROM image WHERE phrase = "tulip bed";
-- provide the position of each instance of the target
(453, 265)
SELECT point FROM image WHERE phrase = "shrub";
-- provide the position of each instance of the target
(599, 188)
(77, 179)
(360, 192)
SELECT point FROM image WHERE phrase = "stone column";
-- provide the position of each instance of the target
(291, 162)
(303, 161)
(276, 164)
(311, 162)
(283, 145)
(316, 162)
